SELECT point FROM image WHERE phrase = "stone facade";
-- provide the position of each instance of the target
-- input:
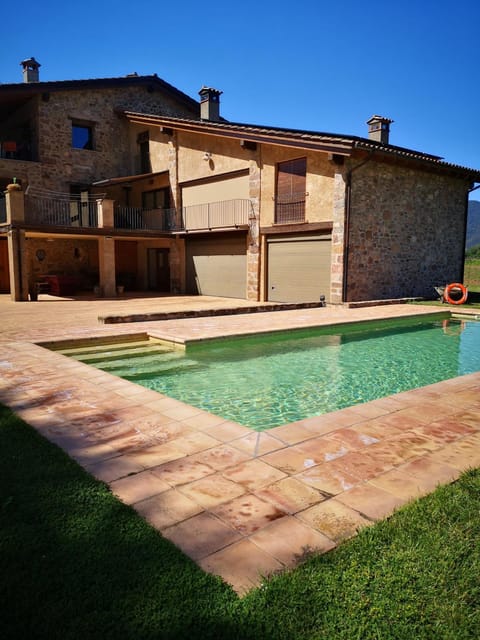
(406, 232)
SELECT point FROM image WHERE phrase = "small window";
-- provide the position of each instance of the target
(290, 191)
(158, 199)
(82, 136)
(144, 152)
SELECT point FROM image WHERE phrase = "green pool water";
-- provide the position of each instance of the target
(269, 380)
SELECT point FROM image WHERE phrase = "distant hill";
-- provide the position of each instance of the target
(473, 224)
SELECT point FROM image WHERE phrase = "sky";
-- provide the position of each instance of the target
(310, 64)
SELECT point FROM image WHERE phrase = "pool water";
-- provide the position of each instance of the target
(268, 380)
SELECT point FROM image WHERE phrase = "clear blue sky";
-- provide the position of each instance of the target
(310, 64)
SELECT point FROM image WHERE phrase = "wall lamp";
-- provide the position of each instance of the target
(207, 156)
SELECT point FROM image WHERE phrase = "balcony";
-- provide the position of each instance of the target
(136, 219)
(86, 211)
(61, 211)
(228, 214)
(290, 209)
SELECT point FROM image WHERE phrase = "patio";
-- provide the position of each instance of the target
(241, 504)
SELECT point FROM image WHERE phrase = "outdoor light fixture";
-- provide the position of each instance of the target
(207, 156)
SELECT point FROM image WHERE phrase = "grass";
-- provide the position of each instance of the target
(77, 563)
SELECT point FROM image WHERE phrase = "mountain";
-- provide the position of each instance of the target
(473, 224)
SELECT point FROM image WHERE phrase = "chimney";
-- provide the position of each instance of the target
(30, 70)
(210, 104)
(379, 129)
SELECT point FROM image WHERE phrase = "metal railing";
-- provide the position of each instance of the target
(216, 215)
(290, 208)
(136, 218)
(61, 211)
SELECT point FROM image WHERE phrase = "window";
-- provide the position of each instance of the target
(143, 142)
(290, 194)
(158, 199)
(82, 136)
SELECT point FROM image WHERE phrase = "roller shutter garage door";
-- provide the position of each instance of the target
(299, 269)
(217, 266)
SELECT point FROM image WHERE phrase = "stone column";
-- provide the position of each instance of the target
(106, 262)
(15, 202)
(105, 213)
(15, 205)
(16, 265)
(338, 235)
(253, 237)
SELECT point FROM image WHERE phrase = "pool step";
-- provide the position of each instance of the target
(110, 347)
(148, 350)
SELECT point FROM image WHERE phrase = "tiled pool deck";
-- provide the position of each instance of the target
(241, 504)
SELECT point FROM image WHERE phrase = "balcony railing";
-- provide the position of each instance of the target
(136, 218)
(216, 215)
(64, 210)
(290, 209)
(61, 211)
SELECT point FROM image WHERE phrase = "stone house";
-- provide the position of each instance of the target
(56, 139)
(172, 197)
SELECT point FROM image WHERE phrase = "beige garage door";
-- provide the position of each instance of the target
(299, 269)
(217, 267)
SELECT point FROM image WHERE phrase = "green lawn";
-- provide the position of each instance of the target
(75, 563)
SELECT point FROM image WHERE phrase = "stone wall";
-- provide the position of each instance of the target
(63, 165)
(406, 232)
(69, 257)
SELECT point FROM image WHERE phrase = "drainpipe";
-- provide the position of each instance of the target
(465, 229)
(346, 232)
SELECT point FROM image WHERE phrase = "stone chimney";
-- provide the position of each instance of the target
(210, 104)
(30, 70)
(379, 129)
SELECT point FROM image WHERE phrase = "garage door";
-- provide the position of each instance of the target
(217, 266)
(299, 269)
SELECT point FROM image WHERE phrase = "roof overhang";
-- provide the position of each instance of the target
(125, 180)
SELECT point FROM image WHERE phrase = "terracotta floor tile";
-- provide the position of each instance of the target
(212, 490)
(195, 442)
(429, 472)
(290, 460)
(248, 513)
(334, 519)
(201, 535)
(361, 465)
(292, 433)
(291, 495)
(400, 484)
(167, 509)
(324, 448)
(371, 501)
(376, 429)
(203, 420)
(254, 474)
(462, 455)
(156, 455)
(182, 471)
(290, 541)
(471, 418)
(227, 431)
(113, 468)
(406, 419)
(243, 565)
(138, 487)
(91, 453)
(328, 478)
(353, 439)
(221, 457)
(257, 444)
(444, 431)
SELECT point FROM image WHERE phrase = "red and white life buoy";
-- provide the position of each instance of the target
(455, 287)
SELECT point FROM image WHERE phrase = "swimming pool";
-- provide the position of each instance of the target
(263, 381)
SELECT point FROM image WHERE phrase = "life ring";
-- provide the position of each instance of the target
(455, 286)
